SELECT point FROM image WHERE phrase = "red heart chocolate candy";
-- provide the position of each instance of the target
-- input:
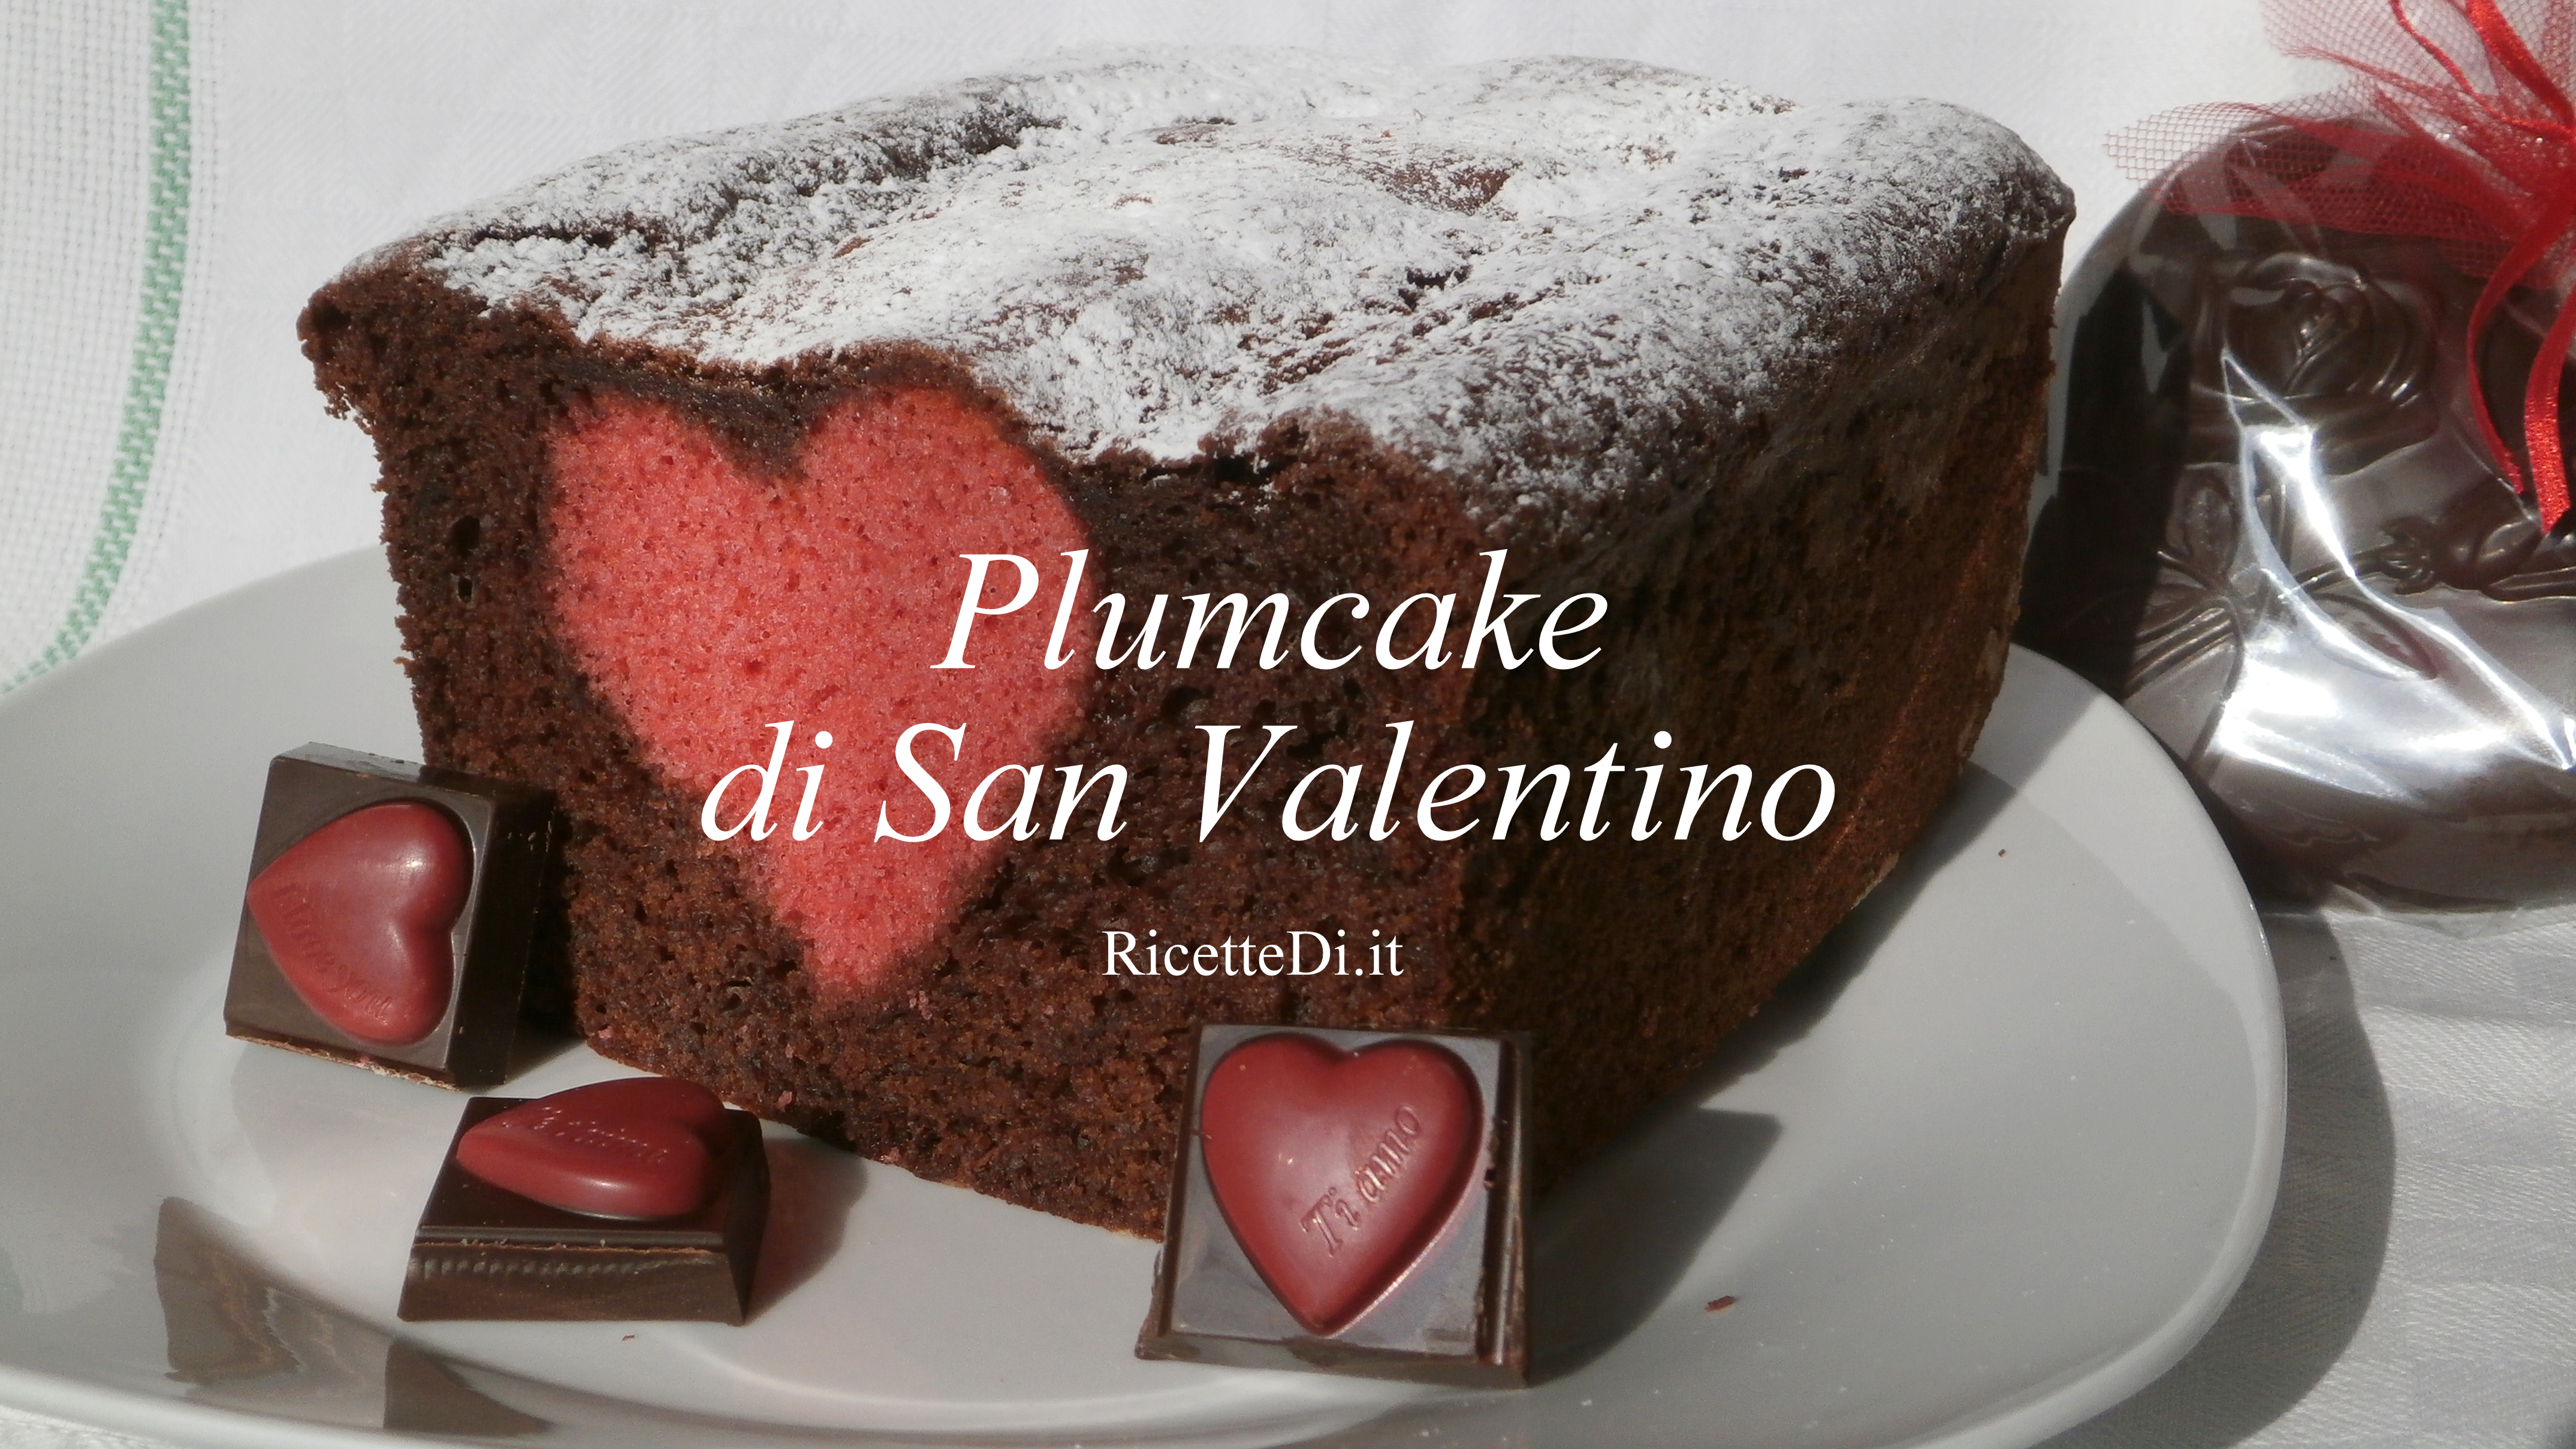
(643, 1147)
(358, 917)
(1337, 1169)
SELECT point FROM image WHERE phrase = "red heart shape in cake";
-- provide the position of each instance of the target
(706, 600)
(1337, 1169)
(642, 1147)
(359, 917)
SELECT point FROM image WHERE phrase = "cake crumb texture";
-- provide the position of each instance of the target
(708, 605)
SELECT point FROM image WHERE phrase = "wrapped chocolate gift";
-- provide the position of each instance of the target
(2312, 521)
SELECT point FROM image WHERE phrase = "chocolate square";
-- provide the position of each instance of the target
(1452, 1312)
(509, 830)
(482, 1252)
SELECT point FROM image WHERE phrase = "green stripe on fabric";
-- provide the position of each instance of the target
(156, 331)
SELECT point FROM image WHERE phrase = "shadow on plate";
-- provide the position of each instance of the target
(1811, 990)
(811, 1189)
(2312, 1278)
(1608, 1246)
(242, 1340)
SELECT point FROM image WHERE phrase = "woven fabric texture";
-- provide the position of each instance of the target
(98, 169)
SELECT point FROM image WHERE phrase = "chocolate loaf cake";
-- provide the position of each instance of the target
(690, 453)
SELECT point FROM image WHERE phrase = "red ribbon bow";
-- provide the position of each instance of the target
(2451, 130)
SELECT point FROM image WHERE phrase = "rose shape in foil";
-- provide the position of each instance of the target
(2307, 328)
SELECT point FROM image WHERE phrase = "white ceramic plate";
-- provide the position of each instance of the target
(1996, 1160)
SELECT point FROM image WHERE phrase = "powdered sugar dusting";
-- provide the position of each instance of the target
(1502, 270)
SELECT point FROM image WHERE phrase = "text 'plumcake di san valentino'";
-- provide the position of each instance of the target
(844, 518)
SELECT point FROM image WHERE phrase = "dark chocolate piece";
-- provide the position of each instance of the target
(391, 916)
(484, 1252)
(1348, 1201)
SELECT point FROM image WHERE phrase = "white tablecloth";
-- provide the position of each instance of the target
(176, 175)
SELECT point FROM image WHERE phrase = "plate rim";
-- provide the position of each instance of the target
(2045, 1412)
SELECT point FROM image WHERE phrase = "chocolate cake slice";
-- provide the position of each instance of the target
(690, 453)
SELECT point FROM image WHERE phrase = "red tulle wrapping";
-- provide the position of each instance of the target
(2456, 127)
